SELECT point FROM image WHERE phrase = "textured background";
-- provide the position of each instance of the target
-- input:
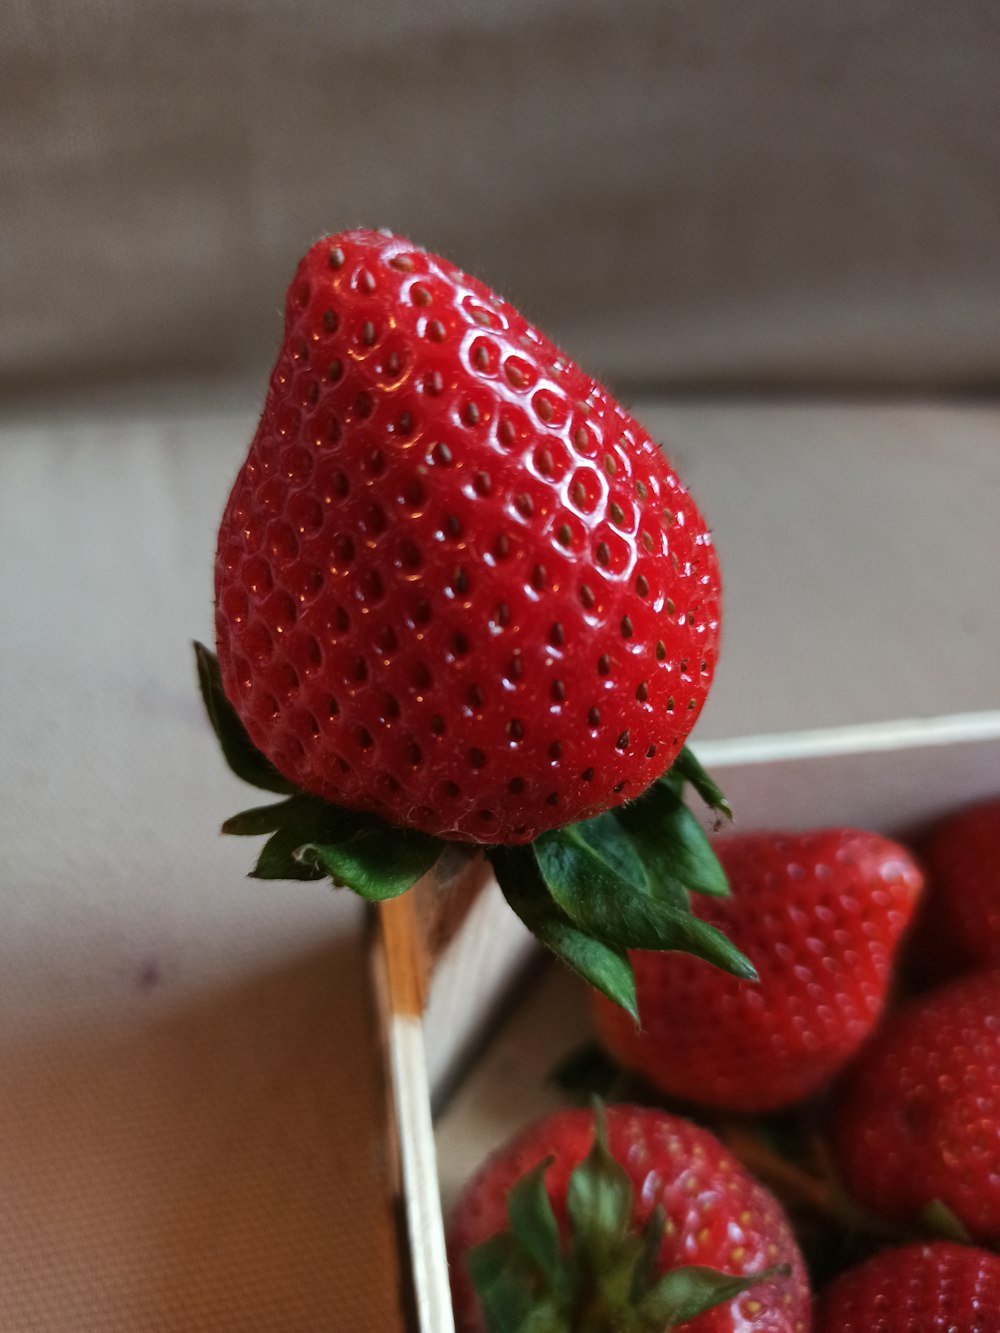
(682, 191)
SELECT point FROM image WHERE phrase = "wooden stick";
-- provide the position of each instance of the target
(406, 971)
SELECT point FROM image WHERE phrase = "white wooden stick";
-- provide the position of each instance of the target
(405, 976)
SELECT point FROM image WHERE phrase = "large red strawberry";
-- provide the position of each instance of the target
(917, 1120)
(461, 594)
(820, 915)
(936, 1288)
(565, 1231)
(456, 583)
(959, 927)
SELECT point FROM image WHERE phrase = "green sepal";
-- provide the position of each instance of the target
(282, 857)
(644, 1269)
(687, 768)
(607, 836)
(311, 818)
(940, 1221)
(673, 846)
(601, 965)
(260, 820)
(599, 1203)
(509, 1289)
(603, 904)
(378, 861)
(359, 851)
(240, 753)
(589, 891)
(311, 838)
(533, 1223)
(685, 1293)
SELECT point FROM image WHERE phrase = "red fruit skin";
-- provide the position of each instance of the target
(935, 1288)
(716, 1213)
(820, 915)
(456, 584)
(917, 1117)
(959, 925)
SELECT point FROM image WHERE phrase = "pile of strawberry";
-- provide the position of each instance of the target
(840, 1116)
(462, 597)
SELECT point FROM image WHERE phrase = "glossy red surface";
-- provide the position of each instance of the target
(455, 582)
(935, 1288)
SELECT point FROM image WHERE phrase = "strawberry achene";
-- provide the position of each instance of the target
(820, 914)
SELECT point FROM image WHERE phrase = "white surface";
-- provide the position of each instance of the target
(488, 952)
(860, 551)
(113, 787)
(420, 1179)
(894, 786)
(954, 729)
(510, 1084)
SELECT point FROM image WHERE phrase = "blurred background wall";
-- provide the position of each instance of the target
(686, 193)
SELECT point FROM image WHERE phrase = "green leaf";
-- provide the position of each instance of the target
(673, 846)
(533, 1222)
(511, 1289)
(649, 1251)
(607, 907)
(687, 767)
(599, 1203)
(683, 1293)
(938, 1219)
(262, 819)
(607, 837)
(282, 858)
(378, 861)
(504, 1283)
(310, 817)
(312, 838)
(242, 756)
(601, 965)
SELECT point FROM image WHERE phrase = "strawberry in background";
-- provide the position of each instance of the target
(933, 1288)
(916, 1122)
(821, 916)
(641, 1226)
(958, 928)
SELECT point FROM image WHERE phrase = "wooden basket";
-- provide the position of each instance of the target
(449, 954)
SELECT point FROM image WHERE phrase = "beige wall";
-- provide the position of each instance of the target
(682, 191)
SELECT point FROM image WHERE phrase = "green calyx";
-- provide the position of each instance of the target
(603, 1279)
(589, 891)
